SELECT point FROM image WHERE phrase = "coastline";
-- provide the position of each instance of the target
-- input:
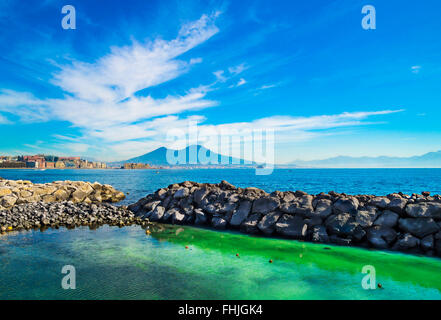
(396, 222)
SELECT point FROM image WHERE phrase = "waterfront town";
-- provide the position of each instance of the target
(49, 162)
(42, 161)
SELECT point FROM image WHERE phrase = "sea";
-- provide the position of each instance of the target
(183, 262)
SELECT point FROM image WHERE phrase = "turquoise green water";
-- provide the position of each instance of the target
(125, 263)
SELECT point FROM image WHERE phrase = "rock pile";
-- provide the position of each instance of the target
(409, 223)
(15, 192)
(64, 214)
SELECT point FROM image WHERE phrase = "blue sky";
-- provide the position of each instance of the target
(131, 70)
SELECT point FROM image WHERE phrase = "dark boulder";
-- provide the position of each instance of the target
(241, 213)
(381, 237)
(177, 216)
(419, 227)
(427, 243)
(265, 205)
(397, 204)
(323, 208)
(407, 242)
(342, 224)
(157, 213)
(250, 224)
(365, 218)
(291, 226)
(200, 194)
(387, 219)
(289, 207)
(346, 205)
(379, 202)
(268, 222)
(201, 218)
(424, 210)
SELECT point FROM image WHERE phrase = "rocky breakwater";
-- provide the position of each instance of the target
(16, 192)
(41, 215)
(70, 204)
(409, 223)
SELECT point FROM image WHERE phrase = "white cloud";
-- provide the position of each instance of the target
(237, 69)
(415, 69)
(220, 76)
(101, 100)
(241, 82)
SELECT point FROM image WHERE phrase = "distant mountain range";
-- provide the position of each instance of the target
(158, 157)
(428, 160)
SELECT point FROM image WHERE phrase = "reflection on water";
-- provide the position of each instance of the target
(176, 262)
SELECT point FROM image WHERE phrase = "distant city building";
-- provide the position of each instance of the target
(60, 165)
(50, 165)
(51, 162)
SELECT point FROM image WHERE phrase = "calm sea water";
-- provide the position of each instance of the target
(138, 183)
(125, 263)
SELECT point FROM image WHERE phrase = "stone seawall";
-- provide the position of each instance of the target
(16, 192)
(408, 223)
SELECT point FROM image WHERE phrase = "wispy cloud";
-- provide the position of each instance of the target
(241, 82)
(237, 69)
(415, 69)
(102, 100)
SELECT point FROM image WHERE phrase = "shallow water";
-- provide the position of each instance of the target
(125, 263)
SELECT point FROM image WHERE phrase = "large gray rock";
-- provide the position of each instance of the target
(265, 205)
(407, 241)
(305, 208)
(427, 243)
(181, 193)
(323, 208)
(381, 237)
(291, 226)
(387, 219)
(161, 193)
(170, 213)
(344, 225)
(227, 208)
(419, 227)
(150, 206)
(157, 213)
(379, 202)
(241, 213)
(424, 210)
(250, 224)
(289, 207)
(201, 218)
(346, 205)
(397, 205)
(177, 217)
(200, 194)
(365, 218)
(268, 222)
